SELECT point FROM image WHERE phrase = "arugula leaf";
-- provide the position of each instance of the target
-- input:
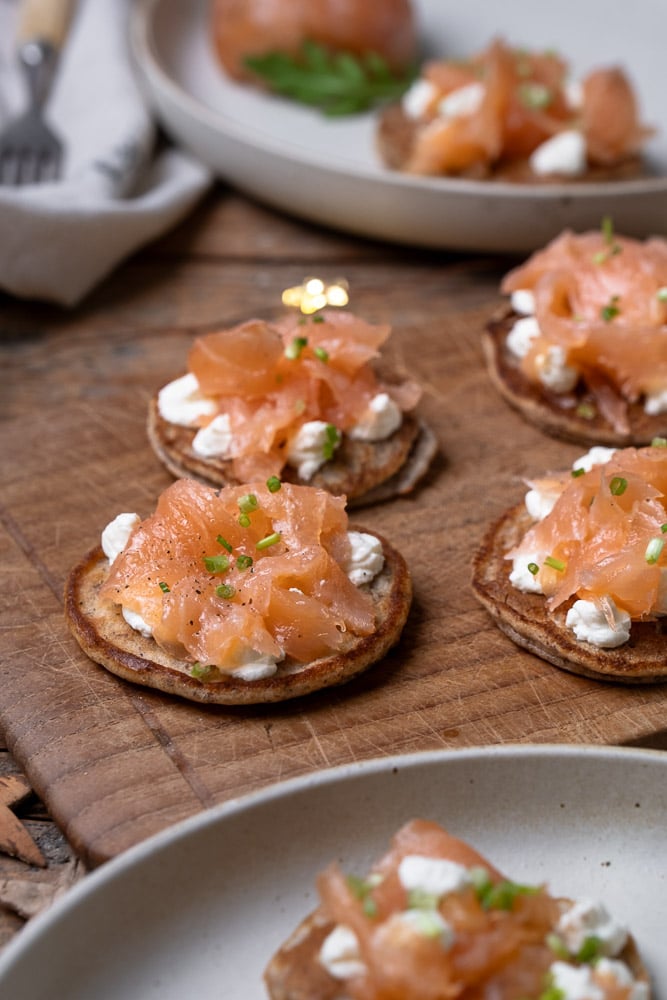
(337, 83)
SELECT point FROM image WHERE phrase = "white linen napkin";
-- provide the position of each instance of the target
(57, 240)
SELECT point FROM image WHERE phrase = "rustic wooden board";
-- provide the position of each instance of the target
(115, 763)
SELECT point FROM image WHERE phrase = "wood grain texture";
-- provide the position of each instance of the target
(115, 763)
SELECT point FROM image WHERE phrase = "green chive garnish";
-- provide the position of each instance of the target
(225, 590)
(331, 440)
(502, 895)
(294, 349)
(244, 562)
(554, 563)
(618, 486)
(659, 442)
(216, 564)
(320, 353)
(265, 543)
(557, 945)
(578, 472)
(661, 294)
(203, 672)
(418, 899)
(611, 310)
(535, 95)
(590, 949)
(223, 541)
(533, 568)
(663, 528)
(164, 587)
(586, 410)
(654, 550)
(317, 319)
(247, 503)
(273, 484)
(244, 521)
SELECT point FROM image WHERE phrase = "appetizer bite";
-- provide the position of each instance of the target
(435, 919)
(341, 56)
(582, 351)
(514, 115)
(577, 574)
(241, 595)
(300, 399)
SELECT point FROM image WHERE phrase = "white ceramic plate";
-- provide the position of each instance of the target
(327, 171)
(198, 910)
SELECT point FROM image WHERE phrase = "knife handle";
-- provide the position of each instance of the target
(44, 21)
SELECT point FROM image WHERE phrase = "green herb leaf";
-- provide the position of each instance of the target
(337, 83)
(204, 672)
(659, 442)
(654, 550)
(418, 899)
(502, 895)
(164, 587)
(321, 353)
(331, 441)
(225, 590)
(273, 484)
(586, 410)
(295, 347)
(535, 95)
(223, 541)
(557, 564)
(578, 472)
(244, 562)
(590, 949)
(247, 503)
(533, 568)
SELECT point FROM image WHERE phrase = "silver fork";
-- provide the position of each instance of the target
(30, 151)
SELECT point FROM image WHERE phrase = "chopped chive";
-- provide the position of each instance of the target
(586, 410)
(617, 486)
(370, 907)
(332, 438)
(611, 310)
(164, 587)
(225, 590)
(654, 550)
(294, 349)
(203, 672)
(554, 563)
(418, 899)
(216, 564)
(590, 949)
(578, 472)
(663, 528)
(661, 294)
(244, 521)
(244, 562)
(557, 946)
(502, 895)
(273, 484)
(223, 541)
(317, 319)
(659, 442)
(533, 568)
(535, 95)
(321, 353)
(607, 228)
(265, 543)
(247, 503)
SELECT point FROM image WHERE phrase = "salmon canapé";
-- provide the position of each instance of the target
(514, 114)
(262, 571)
(434, 920)
(598, 539)
(590, 327)
(298, 398)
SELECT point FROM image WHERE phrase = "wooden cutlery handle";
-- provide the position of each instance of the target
(44, 20)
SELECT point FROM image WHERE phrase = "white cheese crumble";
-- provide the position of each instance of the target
(523, 301)
(366, 557)
(380, 419)
(553, 371)
(306, 449)
(340, 953)
(136, 622)
(590, 625)
(214, 439)
(116, 534)
(597, 455)
(418, 98)
(463, 101)
(181, 402)
(574, 94)
(575, 982)
(588, 918)
(521, 336)
(435, 876)
(541, 501)
(563, 153)
(249, 665)
(521, 577)
(656, 402)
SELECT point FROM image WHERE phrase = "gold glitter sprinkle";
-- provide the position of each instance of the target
(313, 294)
